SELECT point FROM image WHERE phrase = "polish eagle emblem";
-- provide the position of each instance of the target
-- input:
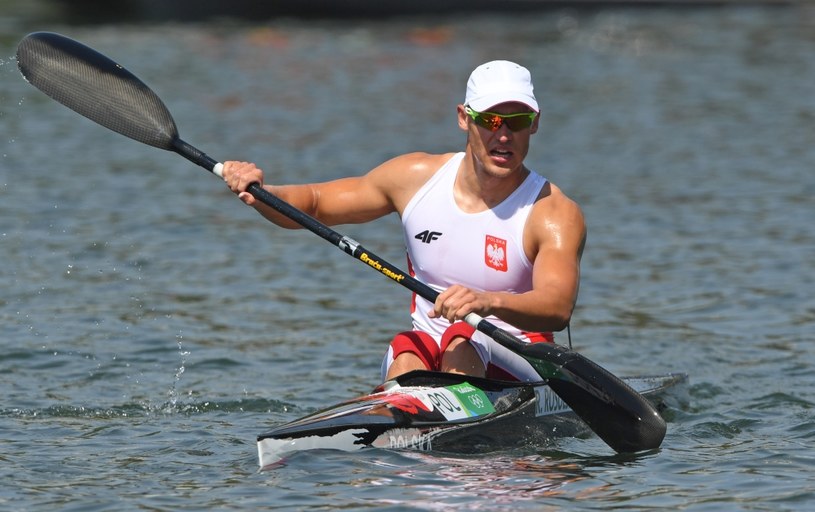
(495, 253)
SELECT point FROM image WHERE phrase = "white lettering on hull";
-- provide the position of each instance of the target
(548, 402)
(411, 438)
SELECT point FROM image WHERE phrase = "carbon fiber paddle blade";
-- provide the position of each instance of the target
(620, 416)
(96, 87)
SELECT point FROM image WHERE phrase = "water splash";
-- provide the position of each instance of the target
(172, 394)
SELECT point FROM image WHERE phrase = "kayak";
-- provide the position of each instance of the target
(424, 410)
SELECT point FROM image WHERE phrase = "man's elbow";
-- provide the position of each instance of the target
(560, 320)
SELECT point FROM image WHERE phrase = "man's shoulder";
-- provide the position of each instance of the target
(419, 161)
(402, 176)
(411, 167)
(554, 201)
(556, 217)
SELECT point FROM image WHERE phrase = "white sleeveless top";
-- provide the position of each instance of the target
(483, 251)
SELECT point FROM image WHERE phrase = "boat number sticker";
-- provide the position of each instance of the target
(458, 401)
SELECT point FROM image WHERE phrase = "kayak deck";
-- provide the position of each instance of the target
(425, 410)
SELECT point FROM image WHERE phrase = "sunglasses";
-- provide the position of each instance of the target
(492, 121)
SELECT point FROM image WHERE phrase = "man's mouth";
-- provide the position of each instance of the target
(502, 154)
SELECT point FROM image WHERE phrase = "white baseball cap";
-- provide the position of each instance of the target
(499, 81)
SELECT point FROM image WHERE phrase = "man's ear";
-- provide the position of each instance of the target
(462, 117)
(534, 127)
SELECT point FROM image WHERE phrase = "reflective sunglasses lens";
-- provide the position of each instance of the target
(489, 121)
(518, 123)
(492, 122)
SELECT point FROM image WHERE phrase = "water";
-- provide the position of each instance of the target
(152, 325)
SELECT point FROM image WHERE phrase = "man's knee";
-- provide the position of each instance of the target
(403, 363)
(460, 356)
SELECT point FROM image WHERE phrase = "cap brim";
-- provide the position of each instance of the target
(490, 100)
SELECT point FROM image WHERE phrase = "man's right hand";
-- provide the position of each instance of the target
(239, 175)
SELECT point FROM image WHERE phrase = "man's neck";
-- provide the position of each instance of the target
(476, 189)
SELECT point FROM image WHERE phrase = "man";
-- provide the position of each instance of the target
(493, 237)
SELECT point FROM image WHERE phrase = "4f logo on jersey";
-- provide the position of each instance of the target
(495, 253)
(428, 236)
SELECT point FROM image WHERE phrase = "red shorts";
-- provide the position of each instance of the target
(425, 347)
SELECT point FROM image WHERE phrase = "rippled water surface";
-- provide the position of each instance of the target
(152, 326)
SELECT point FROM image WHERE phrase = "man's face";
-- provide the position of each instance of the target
(500, 149)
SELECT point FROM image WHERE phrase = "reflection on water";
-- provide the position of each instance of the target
(496, 482)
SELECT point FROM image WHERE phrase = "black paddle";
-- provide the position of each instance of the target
(103, 91)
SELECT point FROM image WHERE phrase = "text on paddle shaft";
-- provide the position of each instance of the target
(398, 277)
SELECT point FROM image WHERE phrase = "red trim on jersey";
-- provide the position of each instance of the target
(538, 337)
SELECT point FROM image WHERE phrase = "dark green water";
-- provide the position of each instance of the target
(152, 326)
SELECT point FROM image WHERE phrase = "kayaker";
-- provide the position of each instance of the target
(493, 236)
